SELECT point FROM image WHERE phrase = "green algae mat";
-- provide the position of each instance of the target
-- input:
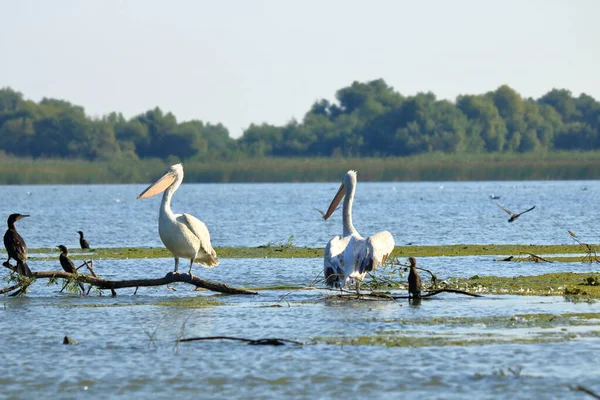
(287, 251)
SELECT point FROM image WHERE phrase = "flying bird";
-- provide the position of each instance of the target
(182, 234)
(82, 242)
(349, 257)
(15, 245)
(414, 279)
(66, 263)
(513, 216)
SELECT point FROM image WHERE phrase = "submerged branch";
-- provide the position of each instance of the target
(10, 288)
(130, 283)
(438, 291)
(376, 295)
(265, 341)
(585, 390)
(535, 257)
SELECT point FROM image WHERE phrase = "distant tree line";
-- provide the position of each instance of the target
(367, 120)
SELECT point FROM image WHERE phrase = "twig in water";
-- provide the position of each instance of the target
(583, 389)
(591, 253)
(181, 332)
(152, 335)
(283, 297)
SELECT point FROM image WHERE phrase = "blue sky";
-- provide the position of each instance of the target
(239, 62)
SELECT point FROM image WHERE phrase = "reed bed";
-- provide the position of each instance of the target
(433, 167)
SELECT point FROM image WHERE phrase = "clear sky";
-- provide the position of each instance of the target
(251, 61)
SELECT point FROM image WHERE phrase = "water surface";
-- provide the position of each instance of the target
(127, 343)
(422, 213)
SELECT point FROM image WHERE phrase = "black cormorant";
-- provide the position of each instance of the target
(414, 280)
(66, 263)
(513, 216)
(15, 245)
(84, 243)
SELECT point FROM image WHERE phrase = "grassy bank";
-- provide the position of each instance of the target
(430, 167)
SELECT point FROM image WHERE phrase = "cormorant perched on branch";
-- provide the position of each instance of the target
(66, 263)
(84, 243)
(414, 279)
(15, 245)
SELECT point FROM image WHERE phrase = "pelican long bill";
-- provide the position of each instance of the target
(159, 186)
(335, 202)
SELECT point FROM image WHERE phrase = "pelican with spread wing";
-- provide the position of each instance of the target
(348, 258)
(183, 235)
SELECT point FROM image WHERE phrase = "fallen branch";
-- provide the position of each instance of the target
(130, 283)
(265, 341)
(535, 257)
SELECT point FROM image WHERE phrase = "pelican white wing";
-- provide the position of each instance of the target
(335, 266)
(348, 259)
(206, 254)
(375, 252)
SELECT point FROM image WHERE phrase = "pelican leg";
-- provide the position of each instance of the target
(176, 265)
(191, 264)
(358, 287)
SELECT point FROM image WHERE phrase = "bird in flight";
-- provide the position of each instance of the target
(513, 216)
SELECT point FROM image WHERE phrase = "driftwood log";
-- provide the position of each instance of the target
(130, 283)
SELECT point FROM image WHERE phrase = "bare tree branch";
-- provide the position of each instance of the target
(121, 284)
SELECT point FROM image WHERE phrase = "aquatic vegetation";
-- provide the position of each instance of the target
(287, 250)
(554, 284)
(541, 328)
(193, 302)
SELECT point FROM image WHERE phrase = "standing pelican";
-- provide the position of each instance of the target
(348, 258)
(15, 245)
(182, 234)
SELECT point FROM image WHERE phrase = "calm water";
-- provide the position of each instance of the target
(257, 214)
(126, 344)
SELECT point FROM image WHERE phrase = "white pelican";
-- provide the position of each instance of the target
(182, 234)
(349, 258)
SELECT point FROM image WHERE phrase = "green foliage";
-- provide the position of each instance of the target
(367, 119)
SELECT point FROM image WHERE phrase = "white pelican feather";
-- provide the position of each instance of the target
(348, 258)
(183, 235)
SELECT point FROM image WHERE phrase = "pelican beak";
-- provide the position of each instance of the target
(159, 186)
(335, 202)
